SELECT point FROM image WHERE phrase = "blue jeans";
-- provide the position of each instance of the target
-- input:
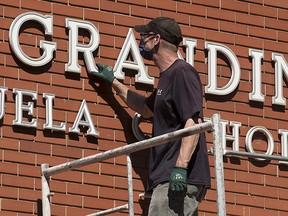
(165, 202)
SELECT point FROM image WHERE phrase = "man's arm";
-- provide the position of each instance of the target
(188, 145)
(132, 99)
(178, 179)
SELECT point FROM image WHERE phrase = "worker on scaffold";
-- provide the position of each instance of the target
(179, 172)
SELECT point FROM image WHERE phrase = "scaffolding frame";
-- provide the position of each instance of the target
(214, 125)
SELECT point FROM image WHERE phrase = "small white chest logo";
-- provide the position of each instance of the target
(159, 91)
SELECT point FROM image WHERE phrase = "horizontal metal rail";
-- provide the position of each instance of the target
(109, 211)
(144, 144)
(255, 155)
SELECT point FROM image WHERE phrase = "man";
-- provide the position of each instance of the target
(179, 170)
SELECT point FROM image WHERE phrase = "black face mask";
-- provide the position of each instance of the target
(146, 54)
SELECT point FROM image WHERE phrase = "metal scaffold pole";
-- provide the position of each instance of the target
(218, 163)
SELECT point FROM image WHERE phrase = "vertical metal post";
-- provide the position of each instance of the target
(46, 211)
(218, 163)
(130, 187)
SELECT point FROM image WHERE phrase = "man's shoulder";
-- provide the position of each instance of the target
(184, 67)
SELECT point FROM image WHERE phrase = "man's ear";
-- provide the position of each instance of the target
(157, 38)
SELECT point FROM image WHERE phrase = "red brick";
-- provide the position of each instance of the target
(276, 3)
(276, 204)
(104, 204)
(237, 210)
(20, 157)
(115, 169)
(235, 6)
(93, 179)
(242, 108)
(275, 46)
(26, 76)
(11, 144)
(33, 147)
(16, 206)
(249, 200)
(282, 36)
(236, 187)
(78, 211)
(218, 37)
(6, 213)
(250, 19)
(181, 18)
(265, 33)
(191, 9)
(133, 2)
(52, 161)
(68, 11)
(29, 195)
(37, 5)
(112, 193)
(274, 180)
(8, 192)
(18, 181)
(60, 80)
(282, 14)
(58, 210)
(263, 191)
(207, 23)
(207, 3)
(209, 208)
(229, 106)
(85, 3)
(82, 189)
(149, 13)
(106, 133)
(72, 176)
(68, 152)
(268, 123)
(114, 7)
(56, 186)
(30, 170)
(95, 15)
(263, 10)
(275, 23)
(257, 168)
(67, 199)
(264, 212)
(163, 5)
(9, 168)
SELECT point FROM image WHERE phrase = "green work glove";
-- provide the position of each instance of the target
(105, 73)
(178, 179)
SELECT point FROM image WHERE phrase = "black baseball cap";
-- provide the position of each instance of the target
(168, 29)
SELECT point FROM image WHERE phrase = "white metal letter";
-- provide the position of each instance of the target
(190, 45)
(280, 67)
(235, 134)
(257, 56)
(249, 138)
(284, 144)
(84, 118)
(46, 46)
(212, 88)
(2, 101)
(73, 25)
(130, 46)
(49, 114)
(20, 107)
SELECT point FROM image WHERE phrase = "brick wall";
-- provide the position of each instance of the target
(252, 187)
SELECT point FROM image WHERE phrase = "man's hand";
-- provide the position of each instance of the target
(178, 179)
(105, 73)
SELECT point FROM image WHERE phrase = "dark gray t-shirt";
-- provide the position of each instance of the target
(177, 98)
